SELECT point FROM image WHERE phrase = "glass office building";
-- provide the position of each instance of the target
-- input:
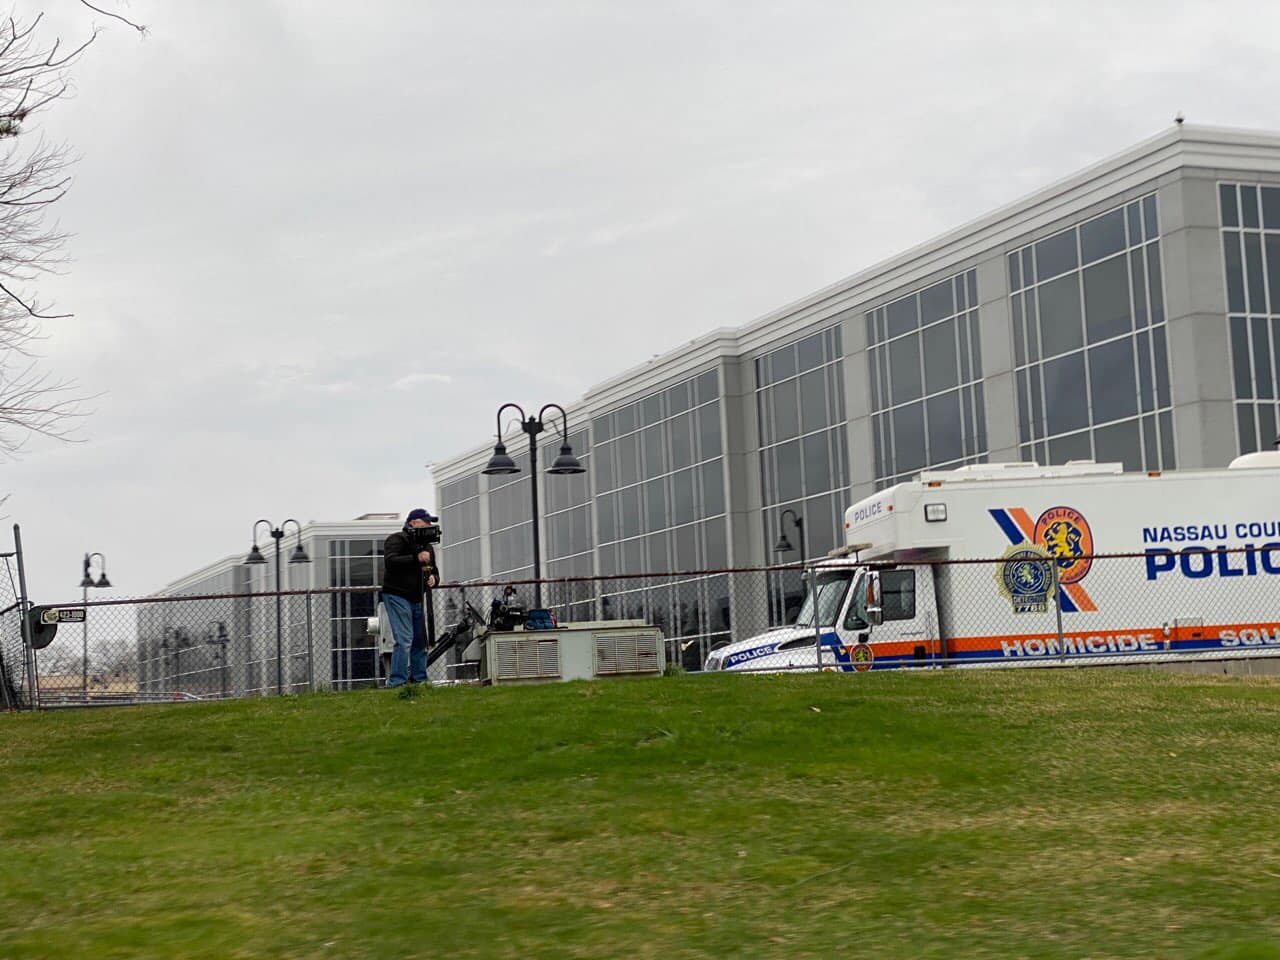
(1128, 313)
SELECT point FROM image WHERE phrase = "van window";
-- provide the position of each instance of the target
(855, 617)
(898, 594)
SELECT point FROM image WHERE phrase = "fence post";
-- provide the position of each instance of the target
(1057, 608)
(817, 620)
(311, 675)
(29, 651)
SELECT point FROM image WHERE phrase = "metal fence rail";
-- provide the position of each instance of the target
(1187, 607)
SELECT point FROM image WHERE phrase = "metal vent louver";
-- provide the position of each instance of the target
(526, 659)
(626, 653)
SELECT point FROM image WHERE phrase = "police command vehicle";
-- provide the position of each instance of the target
(1198, 577)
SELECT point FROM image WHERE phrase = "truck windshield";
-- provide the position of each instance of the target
(831, 591)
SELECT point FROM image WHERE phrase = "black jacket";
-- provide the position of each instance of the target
(403, 574)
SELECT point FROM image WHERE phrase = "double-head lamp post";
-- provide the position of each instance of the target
(566, 463)
(299, 556)
(86, 582)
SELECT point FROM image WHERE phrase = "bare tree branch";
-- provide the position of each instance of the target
(115, 16)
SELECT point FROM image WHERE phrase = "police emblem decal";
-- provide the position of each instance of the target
(862, 656)
(1025, 578)
(1066, 534)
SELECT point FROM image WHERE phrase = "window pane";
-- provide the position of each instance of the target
(1024, 408)
(784, 363)
(1133, 212)
(712, 488)
(681, 428)
(786, 412)
(1065, 394)
(1038, 425)
(902, 316)
(1253, 273)
(1154, 283)
(717, 548)
(655, 505)
(1150, 443)
(709, 431)
(1244, 424)
(1138, 269)
(629, 512)
(1028, 273)
(1249, 206)
(1240, 366)
(1106, 299)
(809, 351)
(625, 419)
(707, 386)
(1146, 386)
(817, 464)
(651, 409)
(1235, 272)
(1060, 316)
(1074, 447)
(1102, 236)
(627, 451)
(1150, 217)
(813, 400)
(1119, 443)
(904, 368)
(1262, 381)
(788, 461)
(1162, 366)
(1227, 202)
(1266, 414)
(602, 428)
(1015, 272)
(936, 302)
(1033, 328)
(1056, 255)
(946, 439)
(940, 357)
(1273, 269)
(1019, 341)
(1271, 208)
(908, 436)
(678, 396)
(765, 412)
(1112, 382)
(762, 369)
(655, 456)
(682, 497)
(1168, 458)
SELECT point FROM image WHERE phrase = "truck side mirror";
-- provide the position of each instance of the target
(875, 611)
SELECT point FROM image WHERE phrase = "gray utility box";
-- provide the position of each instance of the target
(578, 651)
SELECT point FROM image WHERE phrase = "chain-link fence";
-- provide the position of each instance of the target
(1024, 609)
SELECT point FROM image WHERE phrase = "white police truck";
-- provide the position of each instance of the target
(1022, 565)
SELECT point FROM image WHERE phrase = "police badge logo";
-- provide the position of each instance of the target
(862, 657)
(1025, 578)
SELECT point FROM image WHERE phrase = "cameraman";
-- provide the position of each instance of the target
(408, 571)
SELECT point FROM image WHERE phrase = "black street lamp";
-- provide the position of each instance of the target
(298, 556)
(216, 637)
(565, 463)
(784, 545)
(86, 582)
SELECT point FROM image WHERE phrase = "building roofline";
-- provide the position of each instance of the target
(1179, 147)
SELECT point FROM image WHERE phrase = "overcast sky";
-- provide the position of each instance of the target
(316, 244)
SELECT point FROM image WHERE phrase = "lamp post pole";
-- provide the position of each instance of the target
(218, 639)
(565, 463)
(299, 556)
(86, 582)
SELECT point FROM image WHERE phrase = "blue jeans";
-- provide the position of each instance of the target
(409, 631)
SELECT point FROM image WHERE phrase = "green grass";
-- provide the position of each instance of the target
(1097, 813)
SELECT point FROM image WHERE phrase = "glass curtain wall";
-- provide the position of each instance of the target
(567, 550)
(510, 523)
(1251, 259)
(927, 402)
(1089, 343)
(460, 523)
(803, 454)
(658, 475)
(353, 563)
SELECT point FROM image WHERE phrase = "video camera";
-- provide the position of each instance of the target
(422, 537)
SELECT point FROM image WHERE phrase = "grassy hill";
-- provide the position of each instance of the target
(1098, 813)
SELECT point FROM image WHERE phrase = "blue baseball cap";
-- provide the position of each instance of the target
(419, 514)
